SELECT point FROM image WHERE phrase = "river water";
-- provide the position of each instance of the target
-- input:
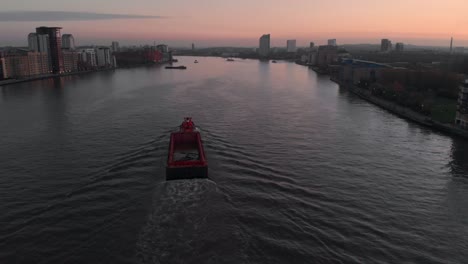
(301, 171)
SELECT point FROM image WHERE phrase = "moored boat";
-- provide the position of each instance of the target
(176, 67)
(186, 158)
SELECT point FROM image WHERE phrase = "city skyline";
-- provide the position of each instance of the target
(210, 23)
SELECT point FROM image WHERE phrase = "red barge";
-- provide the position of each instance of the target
(186, 158)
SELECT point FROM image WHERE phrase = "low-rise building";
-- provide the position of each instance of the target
(461, 118)
(313, 57)
(351, 71)
(147, 55)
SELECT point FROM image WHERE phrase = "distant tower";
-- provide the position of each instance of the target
(264, 45)
(312, 44)
(193, 46)
(291, 45)
(399, 47)
(386, 45)
(451, 45)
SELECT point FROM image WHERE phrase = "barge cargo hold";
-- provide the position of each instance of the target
(186, 158)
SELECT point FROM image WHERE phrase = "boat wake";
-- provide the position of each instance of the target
(190, 223)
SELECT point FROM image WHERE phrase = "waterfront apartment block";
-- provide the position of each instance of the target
(21, 63)
(103, 57)
(70, 60)
(87, 58)
(461, 118)
(55, 47)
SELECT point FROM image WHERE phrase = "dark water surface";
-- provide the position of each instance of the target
(301, 172)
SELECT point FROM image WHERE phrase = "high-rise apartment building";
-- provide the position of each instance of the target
(264, 45)
(33, 42)
(55, 47)
(68, 41)
(291, 45)
(43, 43)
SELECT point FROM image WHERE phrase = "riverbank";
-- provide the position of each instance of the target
(242, 57)
(48, 76)
(405, 112)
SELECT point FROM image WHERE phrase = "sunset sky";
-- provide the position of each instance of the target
(241, 22)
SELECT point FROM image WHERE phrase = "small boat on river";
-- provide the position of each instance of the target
(176, 67)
